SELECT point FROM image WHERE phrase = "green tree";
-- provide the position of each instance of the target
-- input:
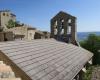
(92, 43)
(10, 24)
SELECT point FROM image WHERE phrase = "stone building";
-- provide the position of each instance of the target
(47, 59)
(26, 32)
(39, 35)
(46, 34)
(6, 36)
(5, 16)
(23, 32)
(63, 27)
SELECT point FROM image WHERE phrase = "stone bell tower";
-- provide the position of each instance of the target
(63, 28)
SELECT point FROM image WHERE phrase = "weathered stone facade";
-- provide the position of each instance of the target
(63, 27)
(21, 32)
(6, 73)
(5, 16)
(31, 33)
(24, 32)
(6, 36)
(1, 36)
(28, 33)
(46, 34)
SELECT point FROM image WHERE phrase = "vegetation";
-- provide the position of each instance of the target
(12, 24)
(88, 74)
(92, 43)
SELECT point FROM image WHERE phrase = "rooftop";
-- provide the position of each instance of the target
(46, 59)
(63, 15)
(4, 10)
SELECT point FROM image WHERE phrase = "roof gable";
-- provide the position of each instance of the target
(62, 14)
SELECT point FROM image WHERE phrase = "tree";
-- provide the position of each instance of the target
(93, 44)
(10, 24)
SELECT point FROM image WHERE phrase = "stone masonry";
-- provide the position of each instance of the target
(63, 27)
(6, 72)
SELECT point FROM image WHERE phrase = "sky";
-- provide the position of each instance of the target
(38, 13)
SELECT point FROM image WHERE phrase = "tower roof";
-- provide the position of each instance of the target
(62, 14)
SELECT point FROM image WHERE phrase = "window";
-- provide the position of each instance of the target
(69, 30)
(69, 21)
(3, 14)
(55, 25)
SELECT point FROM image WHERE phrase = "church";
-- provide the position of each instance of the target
(57, 58)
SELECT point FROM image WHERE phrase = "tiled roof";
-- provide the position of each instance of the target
(46, 59)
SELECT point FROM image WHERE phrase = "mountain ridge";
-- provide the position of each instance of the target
(84, 35)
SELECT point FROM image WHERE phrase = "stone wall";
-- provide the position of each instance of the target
(31, 34)
(6, 36)
(28, 33)
(5, 16)
(6, 73)
(9, 36)
(1, 36)
(19, 31)
(63, 27)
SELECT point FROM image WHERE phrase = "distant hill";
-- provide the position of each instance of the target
(84, 35)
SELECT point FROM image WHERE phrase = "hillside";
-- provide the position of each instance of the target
(84, 35)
